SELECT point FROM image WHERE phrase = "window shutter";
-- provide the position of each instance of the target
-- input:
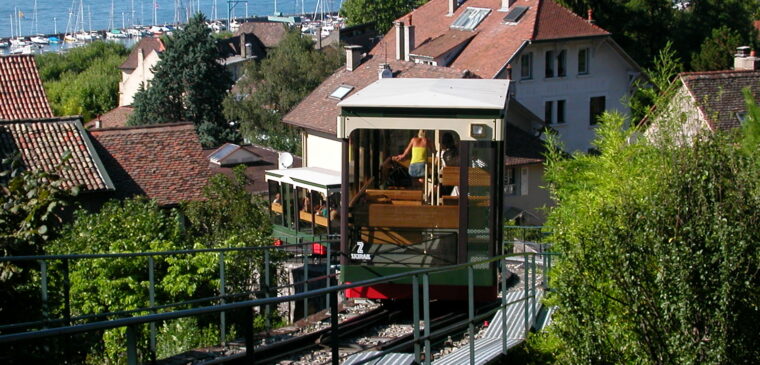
(524, 181)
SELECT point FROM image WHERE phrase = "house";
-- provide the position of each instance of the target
(21, 93)
(707, 101)
(136, 70)
(240, 50)
(566, 69)
(42, 144)
(164, 162)
(256, 159)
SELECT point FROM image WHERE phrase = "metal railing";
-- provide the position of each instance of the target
(421, 340)
(265, 286)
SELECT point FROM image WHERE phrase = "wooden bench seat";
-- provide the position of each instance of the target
(377, 195)
(475, 176)
(277, 208)
(318, 219)
(403, 216)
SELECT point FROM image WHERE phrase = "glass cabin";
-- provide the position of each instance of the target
(447, 209)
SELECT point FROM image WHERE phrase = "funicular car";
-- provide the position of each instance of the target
(451, 213)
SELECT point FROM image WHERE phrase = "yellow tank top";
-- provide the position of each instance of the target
(418, 154)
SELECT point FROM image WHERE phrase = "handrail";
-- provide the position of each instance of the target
(126, 322)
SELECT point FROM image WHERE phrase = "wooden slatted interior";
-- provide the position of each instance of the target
(374, 194)
(318, 220)
(424, 216)
(476, 176)
(277, 207)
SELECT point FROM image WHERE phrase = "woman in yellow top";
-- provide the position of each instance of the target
(418, 146)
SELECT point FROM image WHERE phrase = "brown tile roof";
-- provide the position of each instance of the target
(495, 42)
(254, 172)
(42, 144)
(319, 112)
(148, 45)
(269, 33)
(718, 94)
(116, 117)
(21, 92)
(523, 148)
(444, 43)
(165, 162)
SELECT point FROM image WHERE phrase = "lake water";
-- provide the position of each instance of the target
(53, 15)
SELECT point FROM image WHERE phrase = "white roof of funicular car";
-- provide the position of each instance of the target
(431, 93)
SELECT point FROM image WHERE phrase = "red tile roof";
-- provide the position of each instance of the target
(148, 45)
(269, 33)
(165, 162)
(444, 43)
(496, 42)
(718, 94)
(116, 117)
(254, 171)
(21, 92)
(319, 112)
(42, 144)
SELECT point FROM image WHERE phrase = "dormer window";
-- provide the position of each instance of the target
(470, 18)
(341, 92)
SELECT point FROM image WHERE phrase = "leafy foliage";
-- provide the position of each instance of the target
(188, 85)
(83, 81)
(656, 270)
(275, 86)
(380, 12)
(717, 51)
(659, 87)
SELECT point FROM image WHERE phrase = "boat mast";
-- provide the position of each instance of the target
(155, 18)
(110, 18)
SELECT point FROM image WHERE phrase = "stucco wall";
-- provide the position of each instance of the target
(322, 152)
(130, 81)
(609, 76)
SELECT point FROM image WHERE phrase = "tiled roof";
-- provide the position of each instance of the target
(319, 112)
(496, 42)
(230, 47)
(21, 92)
(254, 171)
(148, 45)
(269, 33)
(522, 148)
(718, 94)
(444, 43)
(42, 143)
(116, 117)
(165, 162)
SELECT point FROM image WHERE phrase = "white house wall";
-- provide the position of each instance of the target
(609, 76)
(322, 152)
(130, 81)
(536, 198)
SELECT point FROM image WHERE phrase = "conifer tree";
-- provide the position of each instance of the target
(188, 85)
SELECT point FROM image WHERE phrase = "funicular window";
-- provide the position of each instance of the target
(480, 196)
(402, 214)
(275, 203)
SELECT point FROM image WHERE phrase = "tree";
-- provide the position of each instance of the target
(275, 86)
(660, 257)
(716, 52)
(83, 81)
(380, 12)
(188, 85)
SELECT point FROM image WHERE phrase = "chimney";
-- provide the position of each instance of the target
(453, 5)
(98, 123)
(590, 15)
(509, 71)
(408, 39)
(248, 50)
(746, 60)
(399, 40)
(243, 49)
(384, 71)
(353, 57)
(506, 4)
(140, 58)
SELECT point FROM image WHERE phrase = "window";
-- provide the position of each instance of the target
(583, 61)
(341, 92)
(515, 14)
(470, 18)
(510, 181)
(549, 69)
(596, 108)
(526, 66)
(561, 63)
(550, 117)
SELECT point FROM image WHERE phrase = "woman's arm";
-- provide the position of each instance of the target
(406, 151)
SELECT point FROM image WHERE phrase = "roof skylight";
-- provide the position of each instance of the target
(341, 92)
(470, 18)
(515, 14)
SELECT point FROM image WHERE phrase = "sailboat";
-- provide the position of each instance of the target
(17, 40)
(113, 32)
